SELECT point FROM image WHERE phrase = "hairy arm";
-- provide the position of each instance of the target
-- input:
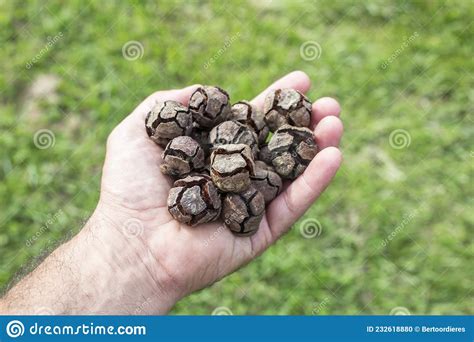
(96, 273)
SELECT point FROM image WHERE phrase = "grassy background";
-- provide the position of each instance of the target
(397, 223)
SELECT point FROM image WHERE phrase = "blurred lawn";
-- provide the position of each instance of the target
(421, 195)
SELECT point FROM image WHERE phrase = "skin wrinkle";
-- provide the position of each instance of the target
(288, 201)
(252, 246)
(306, 184)
(156, 207)
(212, 269)
(175, 283)
(269, 229)
(139, 257)
(148, 252)
(150, 273)
(268, 241)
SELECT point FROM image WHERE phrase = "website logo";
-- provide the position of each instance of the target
(15, 329)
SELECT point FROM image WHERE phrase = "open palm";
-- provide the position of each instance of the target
(134, 194)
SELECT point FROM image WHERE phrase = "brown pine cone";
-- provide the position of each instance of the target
(264, 154)
(182, 156)
(243, 212)
(267, 181)
(201, 135)
(231, 167)
(248, 114)
(209, 106)
(233, 132)
(287, 106)
(168, 120)
(194, 200)
(292, 149)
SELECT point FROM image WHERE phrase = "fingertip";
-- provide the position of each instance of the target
(303, 79)
(192, 87)
(325, 164)
(328, 132)
(332, 156)
(325, 106)
(328, 105)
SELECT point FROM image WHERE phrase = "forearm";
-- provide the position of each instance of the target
(94, 273)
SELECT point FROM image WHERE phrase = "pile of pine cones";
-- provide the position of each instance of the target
(223, 159)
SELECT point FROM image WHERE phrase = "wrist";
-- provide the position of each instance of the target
(129, 278)
(99, 271)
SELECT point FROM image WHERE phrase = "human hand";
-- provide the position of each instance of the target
(134, 194)
(132, 256)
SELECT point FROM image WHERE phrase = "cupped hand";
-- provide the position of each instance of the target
(178, 258)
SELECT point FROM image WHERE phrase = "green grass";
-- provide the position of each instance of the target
(420, 195)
